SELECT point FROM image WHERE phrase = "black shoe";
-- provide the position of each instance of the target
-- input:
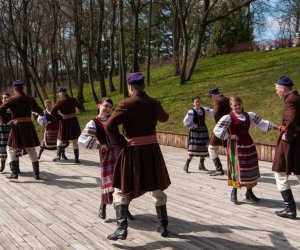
(233, 196)
(64, 157)
(163, 231)
(250, 196)
(119, 234)
(102, 211)
(217, 172)
(287, 213)
(203, 168)
(56, 159)
(77, 161)
(12, 176)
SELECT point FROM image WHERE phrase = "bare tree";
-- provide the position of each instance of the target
(112, 46)
(149, 43)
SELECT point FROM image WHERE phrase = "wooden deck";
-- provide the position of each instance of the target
(60, 211)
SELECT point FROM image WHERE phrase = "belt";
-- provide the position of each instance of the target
(142, 140)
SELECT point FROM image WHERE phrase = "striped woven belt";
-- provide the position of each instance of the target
(21, 119)
(142, 140)
(68, 116)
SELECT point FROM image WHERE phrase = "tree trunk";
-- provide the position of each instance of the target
(99, 49)
(176, 40)
(122, 50)
(112, 47)
(78, 37)
(149, 43)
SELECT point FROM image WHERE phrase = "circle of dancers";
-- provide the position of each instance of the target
(131, 162)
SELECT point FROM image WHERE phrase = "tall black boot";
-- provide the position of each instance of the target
(40, 153)
(2, 165)
(18, 166)
(63, 155)
(233, 196)
(102, 211)
(121, 232)
(129, 215)
(251, 196)
(36, 170)
(76, 153)
(186, 166)
(163, 220)
(58, 154)
(201, 165)
(219, 169)
(14, 170)
(290, 205)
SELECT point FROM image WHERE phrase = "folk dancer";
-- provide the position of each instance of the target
(69, 129)
(140, 167)
(22, 134)
(242, 159)
(287, 154)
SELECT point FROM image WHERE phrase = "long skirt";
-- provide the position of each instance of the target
(107, 163)
(197, 142)
(4, 132)
(49, 141)
(242, 163)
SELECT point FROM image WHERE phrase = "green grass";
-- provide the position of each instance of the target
(250, 75)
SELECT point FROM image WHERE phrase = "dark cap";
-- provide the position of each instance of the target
(135, 78)
(285, 81)
(18, 83)
(62, 89)
(213, 91)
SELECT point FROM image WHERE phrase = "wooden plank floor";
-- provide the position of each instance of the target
(60, 211)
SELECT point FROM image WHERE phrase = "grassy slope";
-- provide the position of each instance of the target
(251, 75)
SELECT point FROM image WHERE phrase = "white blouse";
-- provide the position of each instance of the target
(188, 119)
(221, 128)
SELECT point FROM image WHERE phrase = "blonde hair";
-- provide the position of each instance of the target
(236, 99)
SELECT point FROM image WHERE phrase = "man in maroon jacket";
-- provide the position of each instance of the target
(221, 107)
(287, 154)
(69, 129)
(140, 166)
(22, 134)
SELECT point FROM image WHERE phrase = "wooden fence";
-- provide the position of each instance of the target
(265, 151)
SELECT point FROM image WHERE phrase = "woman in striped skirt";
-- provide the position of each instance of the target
(94, 137)
(242, 159)
(4, 132)
(198, 133)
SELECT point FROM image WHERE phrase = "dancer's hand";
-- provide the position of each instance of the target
(103, 148)
(234, 137)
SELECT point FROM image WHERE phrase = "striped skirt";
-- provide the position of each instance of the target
(242, 162)
(197, 141)
(107, 163)
(4, 133)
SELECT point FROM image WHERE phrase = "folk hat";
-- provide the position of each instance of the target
(18, 83)
(213, 91)
(136, 78)
(285, 81)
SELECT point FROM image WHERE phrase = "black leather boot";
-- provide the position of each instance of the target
(14, 170)
(290, 205)
(162, 216)
(63, 155)
(40, 153)
(102, 211)
(186, 166)
(76, 154)
(251, 196)
(36, 170)
(2, 165)
(233, 196)
(58, 154)
(121, 232)
(129, 215)
(201, 165)
(219, 169)
(18, 166)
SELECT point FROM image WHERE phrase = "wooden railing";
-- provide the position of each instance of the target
(265, 151)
